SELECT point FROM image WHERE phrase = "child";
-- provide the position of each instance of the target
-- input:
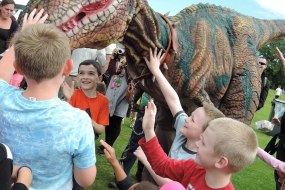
(44, 133)
(188, 129)
(122, 180)
(278, 165)
(87, 97)
(225, 147)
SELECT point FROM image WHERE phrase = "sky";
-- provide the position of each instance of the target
(264, 9)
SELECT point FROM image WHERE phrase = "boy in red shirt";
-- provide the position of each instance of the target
(225, 147)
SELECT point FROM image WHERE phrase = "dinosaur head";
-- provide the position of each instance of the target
(86, 22)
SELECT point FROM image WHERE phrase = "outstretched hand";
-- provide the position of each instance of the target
(139, 153)
(34, 18)
(154, 60)
(109, 153)
(149, 120)
(280, 56)
(67, 90)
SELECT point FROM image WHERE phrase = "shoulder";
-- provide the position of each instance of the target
(76, 117)
(14, 25)
(102, 96)
(180, 114)
(5, 88)
(3, 83)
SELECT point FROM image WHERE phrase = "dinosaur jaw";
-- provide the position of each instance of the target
(95, 12)
(86, 23)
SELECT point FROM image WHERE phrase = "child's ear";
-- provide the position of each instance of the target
(17, 68)
(222, 162)
(68, 66)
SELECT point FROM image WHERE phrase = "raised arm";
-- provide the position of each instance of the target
(122, 180)
(139, 153)
(270, 160)
(169, 93)
(111, 158)
(7, 62)
(280, 56)
(149, 120)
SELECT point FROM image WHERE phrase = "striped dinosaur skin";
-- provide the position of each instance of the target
(216, 59)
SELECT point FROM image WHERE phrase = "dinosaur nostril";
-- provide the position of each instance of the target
(80, 16)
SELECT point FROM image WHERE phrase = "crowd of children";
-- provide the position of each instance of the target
(40, 130)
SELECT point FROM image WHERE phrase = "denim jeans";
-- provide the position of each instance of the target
(128, 158)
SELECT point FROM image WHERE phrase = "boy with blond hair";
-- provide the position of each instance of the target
(225, 147)
(44, 133)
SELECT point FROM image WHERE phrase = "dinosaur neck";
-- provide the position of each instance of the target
(146, 30)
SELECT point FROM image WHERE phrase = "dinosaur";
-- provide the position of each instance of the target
(210, 51)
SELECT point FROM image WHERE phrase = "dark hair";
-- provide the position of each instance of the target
(145, 185)
(94, 63)
(7, 2)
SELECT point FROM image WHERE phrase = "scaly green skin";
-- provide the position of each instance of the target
(216, 58)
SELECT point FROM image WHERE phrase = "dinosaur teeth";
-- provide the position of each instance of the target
(70, 13)
(95, 23)
(100, 14)
(75, 9)
(75, 30)
(65, 17)
(85, 21)
(112, 9)
(115, 4)
(93, 18)
(102, 18)
(106, 12)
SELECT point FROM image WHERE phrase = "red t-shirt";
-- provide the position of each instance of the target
(187, 172)
(98, 106)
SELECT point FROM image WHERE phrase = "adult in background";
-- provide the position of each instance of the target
(277, 142)
(116, 80)
(264, 82)
(7, 25)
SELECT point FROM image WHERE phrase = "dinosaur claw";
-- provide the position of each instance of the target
(142, 82)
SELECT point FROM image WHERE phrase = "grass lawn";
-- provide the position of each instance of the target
(256, 176)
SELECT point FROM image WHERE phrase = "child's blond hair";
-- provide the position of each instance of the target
(234, 140)
(212, 113)
(41, 50)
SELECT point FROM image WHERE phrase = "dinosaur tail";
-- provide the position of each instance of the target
(267, 31)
